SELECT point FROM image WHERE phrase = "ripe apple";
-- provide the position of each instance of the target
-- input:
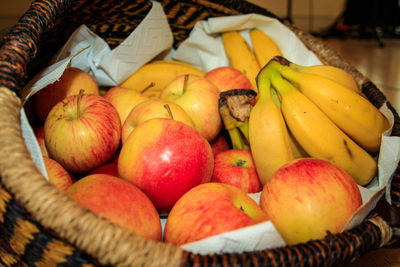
(210, 209)
(154, 108)
(124, 100)
(308, 197)
(110, 168)
(119, 201)
(57, 174)
(39, 134)
(82, 132)
(199, 98)
(219, 143)
(70, 83)
(165, 158)
(236, 167)
(227, 78)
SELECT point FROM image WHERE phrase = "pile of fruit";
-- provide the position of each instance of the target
(190, 146)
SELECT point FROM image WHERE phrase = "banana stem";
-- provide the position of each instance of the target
(244, 129)
(236, 139)
(281, 85)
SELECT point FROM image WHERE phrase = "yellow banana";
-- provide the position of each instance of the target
(240, 55)
(264, 47)
(298, 151)
(351, 112)
(161, 73)
(268, 135)
(319, 136)
(336, 74)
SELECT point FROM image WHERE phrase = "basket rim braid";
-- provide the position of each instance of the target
(40, 225)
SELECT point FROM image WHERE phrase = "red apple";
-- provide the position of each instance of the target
(124, 100)
(219, 144)
(57, 174)
(154, 108)
(227, 78)
(39, 134)
(70, 83)
(119, 201)
(199, 98)
(210, 209)
(236, 167)
(165, 158)
(110, 168)
(308, 197)
(82, 132)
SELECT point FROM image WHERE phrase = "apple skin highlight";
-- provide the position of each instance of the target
(170, 159)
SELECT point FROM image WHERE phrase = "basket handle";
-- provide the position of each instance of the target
(21, 44)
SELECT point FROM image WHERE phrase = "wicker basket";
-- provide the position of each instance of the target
(41, 226)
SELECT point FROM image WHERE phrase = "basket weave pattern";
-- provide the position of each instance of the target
(41, 226)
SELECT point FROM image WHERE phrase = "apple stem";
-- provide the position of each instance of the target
(152, 84)
(78, 103)
(240, 163)
(186, 78)
(166, 106)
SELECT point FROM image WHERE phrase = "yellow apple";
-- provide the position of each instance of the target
(199, 98)
(124, 100)
(154, 108)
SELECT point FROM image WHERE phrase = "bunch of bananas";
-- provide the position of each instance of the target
(315, 111)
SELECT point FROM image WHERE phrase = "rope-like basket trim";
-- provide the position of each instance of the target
(333, 250)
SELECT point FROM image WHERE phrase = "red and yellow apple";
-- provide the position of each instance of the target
(124, 100)
(165, 158)
(154, 108)
(236, 167)
(120, 202)
(199, 98)
(70, 83)
(110, 168)
(227, 78)
(39, 134)
(219, 143)
(210, 209)
(308, 197)
(82, 132)
(57, 174)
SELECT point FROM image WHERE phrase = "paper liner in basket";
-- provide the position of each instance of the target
(204, 49)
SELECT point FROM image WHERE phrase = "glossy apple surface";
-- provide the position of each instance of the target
(70, 83)
(154, 108)
(199, 98)
(82, 132)
(119, 201)
(308, 197)
(124, 100)
(227, 78)
(210, 209)
(57, 174)
(236, 167)
(165, 158)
